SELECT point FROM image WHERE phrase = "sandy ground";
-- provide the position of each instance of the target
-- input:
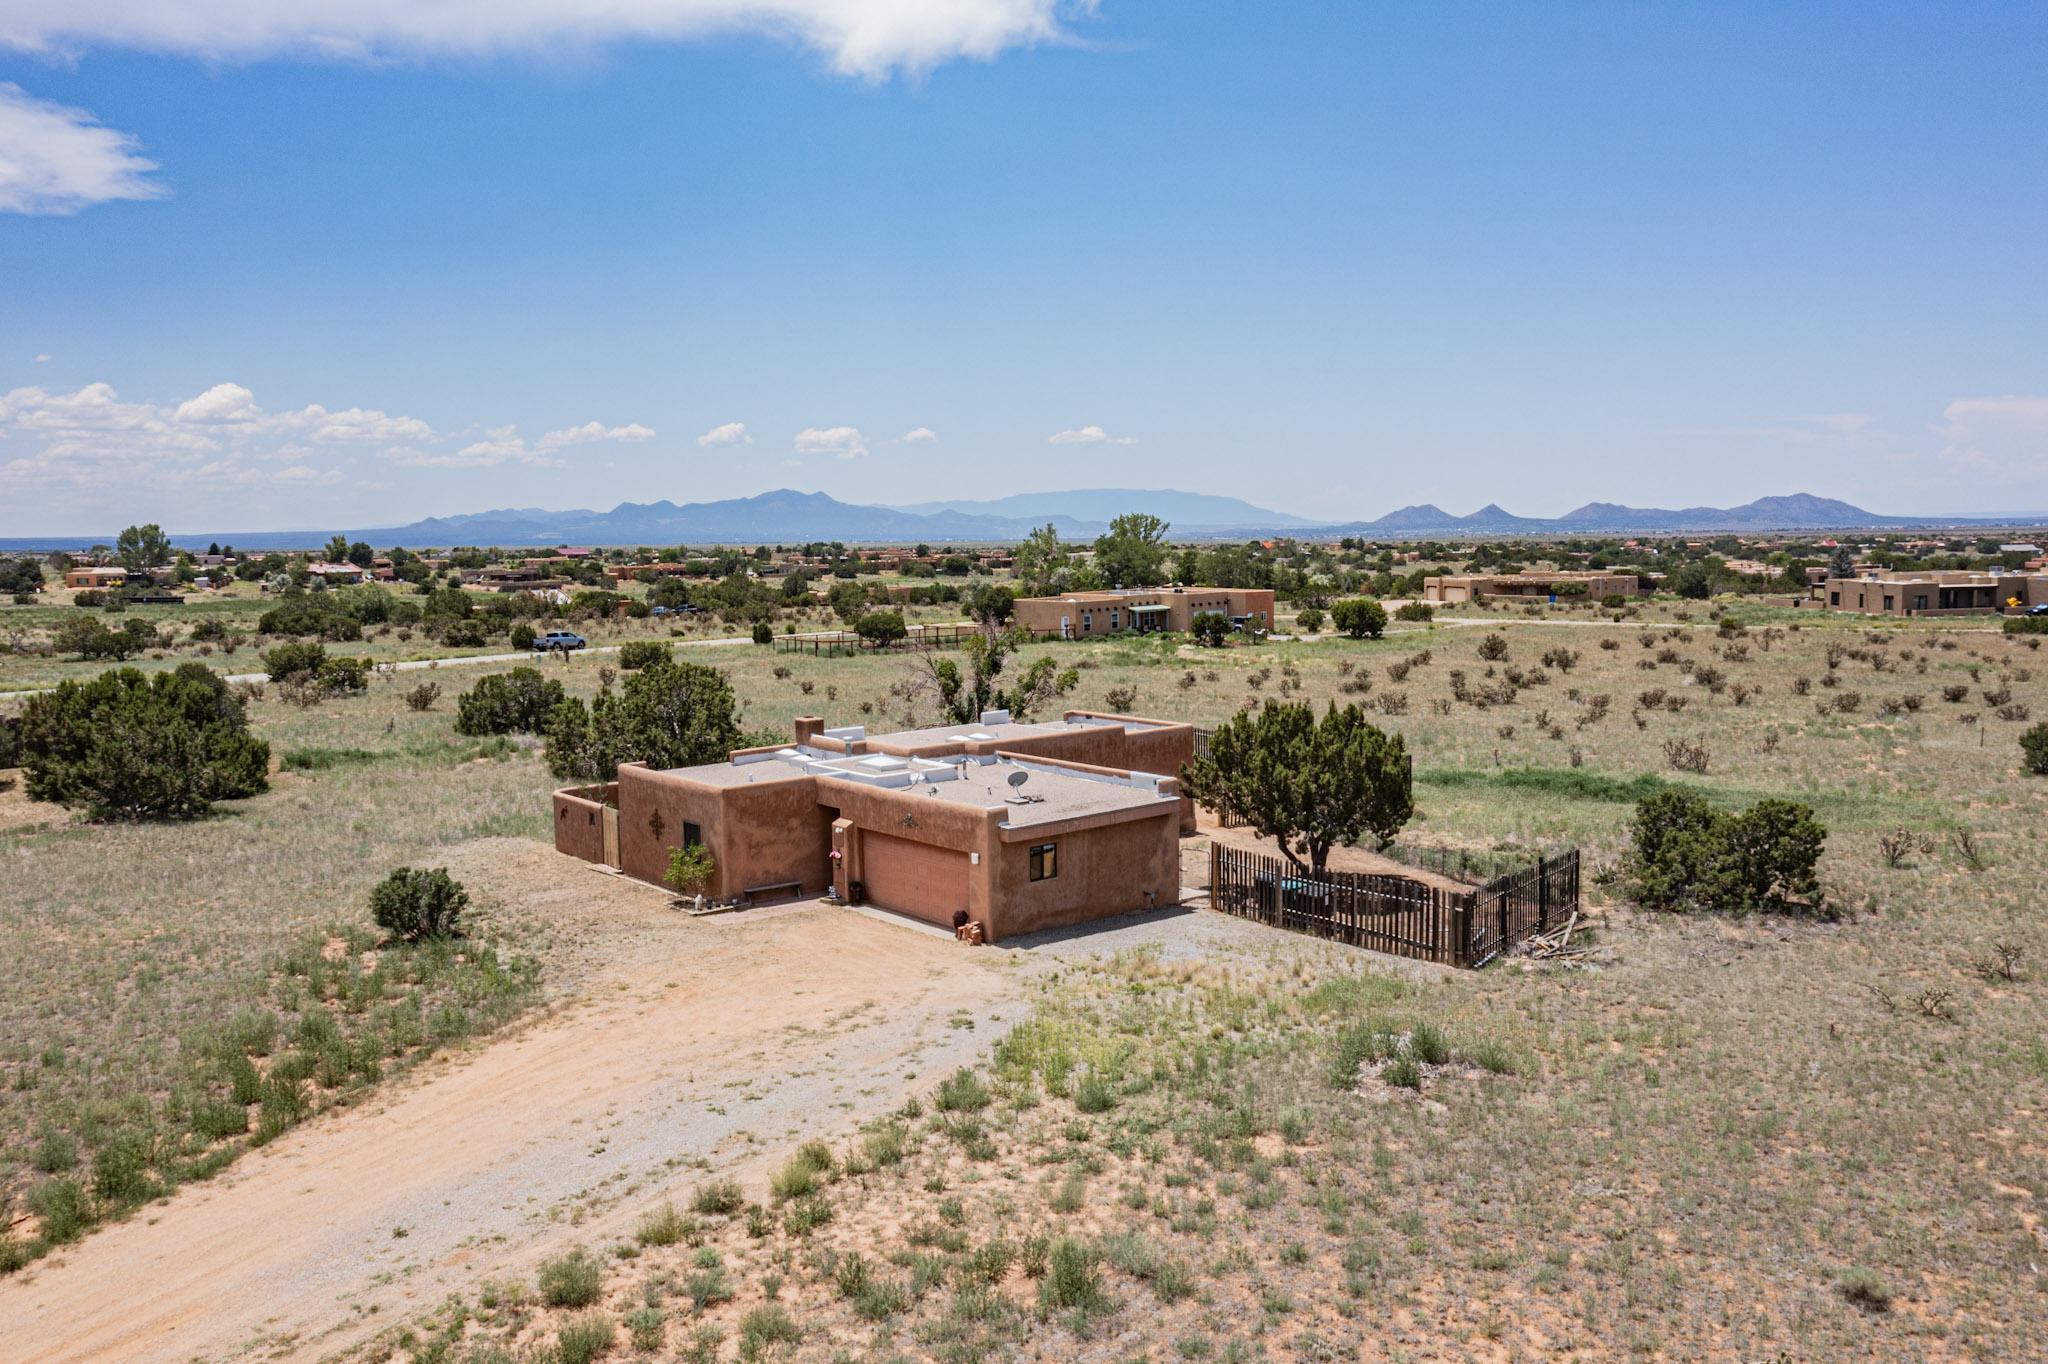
(1360, 860)
(687, 1046)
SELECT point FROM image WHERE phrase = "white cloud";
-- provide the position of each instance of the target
(919, 435)
(55, 159)
(2004, 437)
(42, 359)
(867, 38)
(1088, 435)
(1826, 431)
(593, 431)
(845, 442)
(732, 433)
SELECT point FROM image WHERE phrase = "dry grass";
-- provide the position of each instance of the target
(1695, 1149)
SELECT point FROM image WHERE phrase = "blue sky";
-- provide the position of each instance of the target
(352, 267)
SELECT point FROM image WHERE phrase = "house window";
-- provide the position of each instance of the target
(1045, 861)
(693, 834)
(1887, 601)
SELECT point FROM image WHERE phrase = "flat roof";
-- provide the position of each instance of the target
(1047, 795)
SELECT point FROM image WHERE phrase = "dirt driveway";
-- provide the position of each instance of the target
(685, 1046)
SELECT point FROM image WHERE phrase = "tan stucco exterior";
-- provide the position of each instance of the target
(1933, 594)
(773, 818)
(1083, 615)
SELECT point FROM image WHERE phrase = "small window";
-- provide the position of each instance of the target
(693, 835)
(1045, 861)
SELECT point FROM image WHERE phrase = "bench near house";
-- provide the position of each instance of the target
(1022, 826)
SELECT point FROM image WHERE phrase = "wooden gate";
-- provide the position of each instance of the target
(611, 835)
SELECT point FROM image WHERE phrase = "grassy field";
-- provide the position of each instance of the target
(1724, 1139)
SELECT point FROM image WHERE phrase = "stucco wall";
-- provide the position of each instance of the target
(579, 824)
(1102, 871)
(761, 833)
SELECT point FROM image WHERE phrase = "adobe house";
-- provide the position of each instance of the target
(1022, 826)
(1957, 593)
(1083, 615)
(95, 577)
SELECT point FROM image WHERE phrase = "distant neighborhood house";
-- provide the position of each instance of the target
(1079, 615)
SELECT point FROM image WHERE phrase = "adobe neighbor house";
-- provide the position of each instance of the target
(1530, 585)
(1958, 593)
(1078, 615)
(1023, 826)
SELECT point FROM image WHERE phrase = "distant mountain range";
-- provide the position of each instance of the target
(785, 517)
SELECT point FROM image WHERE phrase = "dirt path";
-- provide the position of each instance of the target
(710, 1049)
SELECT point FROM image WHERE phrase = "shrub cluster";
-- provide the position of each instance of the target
(2025, 625)
(1360, 618)
(517, 702)
(305, 667)
(132, 745)
(410, 904)
(1687, 854)
(2034, 748)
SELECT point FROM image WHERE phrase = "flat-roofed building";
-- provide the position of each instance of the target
(1954, 593)
(1084, 615)
(95, 577)
(1020, 826)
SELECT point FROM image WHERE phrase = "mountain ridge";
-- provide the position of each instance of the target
(785, 515)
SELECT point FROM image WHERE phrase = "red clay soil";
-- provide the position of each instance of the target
(1356, 860)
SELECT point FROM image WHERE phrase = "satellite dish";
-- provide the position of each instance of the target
(1019, 778)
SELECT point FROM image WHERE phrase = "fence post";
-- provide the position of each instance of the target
(1542, 894)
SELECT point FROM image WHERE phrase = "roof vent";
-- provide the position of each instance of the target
(995, 717)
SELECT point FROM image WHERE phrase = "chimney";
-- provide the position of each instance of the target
(808, 728)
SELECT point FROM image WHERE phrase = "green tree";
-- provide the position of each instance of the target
(963, 696)
(848, 600)
(1309, 784)
(880, 629)
(1042, 563)
(2034, 749)
(132, 745)
(1132, 553)
(517, 702)
(411, 904)
(1842, 563)
(672, 715)
(143, 548)
(1210, 629)
(1359, 617)
(1693, 581)
(1686, 853)
(989, 606)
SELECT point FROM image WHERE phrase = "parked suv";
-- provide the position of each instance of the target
(563, 640)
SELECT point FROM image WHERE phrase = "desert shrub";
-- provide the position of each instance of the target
(720, 1198)
(1415, 610)
(1121, 698)
(767, 1325)
(423, 696)
(961, 1092)
(515, 702)
(763, 632)
(411, 904)
(308, 616)
(63, 1208)
(571, 1280)
(582, 1339)
(1210, 629)
(127, 745)
(92, 641)
(1865, 1288)
(643, 653)
(2025, 625)
(1493, 648)
(663, 1227)
(2034, 749)
(523, 636)
(306, 665)
(1359, 617)
(1309, 619)
(1685, 853)
(690, 869)
(465, 634)
(1072, 1281)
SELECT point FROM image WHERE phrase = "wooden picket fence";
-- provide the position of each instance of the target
(1394, 914)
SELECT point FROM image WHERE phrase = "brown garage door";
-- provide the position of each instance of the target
(913, 878)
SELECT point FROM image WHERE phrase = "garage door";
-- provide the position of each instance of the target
(913, 878)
